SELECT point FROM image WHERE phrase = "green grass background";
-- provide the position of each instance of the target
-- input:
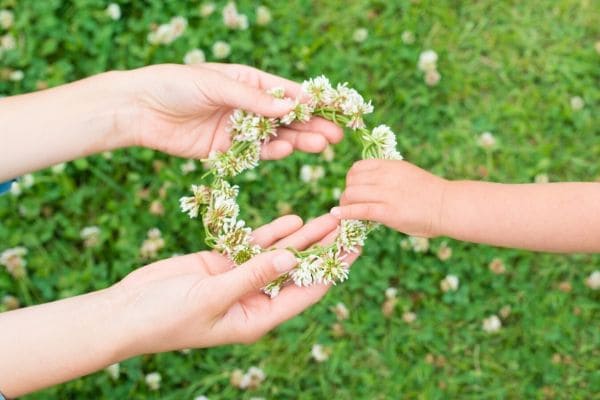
(509, 67)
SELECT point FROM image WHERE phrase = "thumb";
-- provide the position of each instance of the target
(363, 211)
(253, 275)
(241, 95)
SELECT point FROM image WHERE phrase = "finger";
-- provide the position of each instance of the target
(361, 194)
(253, 275)
(312, 232)
(332, 132)
(235, 94)
(257, 78)
(309, 142)
(363, 211)
(276, 150)
(268, 234)
(363, 171)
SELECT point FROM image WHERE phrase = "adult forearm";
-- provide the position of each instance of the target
(556, 217)
(55, 342)
(60, 124)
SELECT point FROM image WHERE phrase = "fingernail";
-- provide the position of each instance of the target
(284, 262)
(336, 212)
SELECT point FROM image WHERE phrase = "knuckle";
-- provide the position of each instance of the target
(257, 278)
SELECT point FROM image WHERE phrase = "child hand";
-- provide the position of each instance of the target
(184, 110)
(198, 300)
(395, 193)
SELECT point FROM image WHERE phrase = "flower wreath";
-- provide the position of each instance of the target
(216, 201)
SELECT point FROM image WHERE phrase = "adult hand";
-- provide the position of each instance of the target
(184, 110)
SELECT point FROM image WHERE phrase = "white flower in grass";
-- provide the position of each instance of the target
(320, 91)
(360, 35)
(593, 281)
(194, 56)
(408, 37)
(492, 324)
(432, 77)
(233, 19)
(58, 168)
(336, 193)
(221, 49)
(541, 178)
(409, 317)
(328, 154)
(7, 19)
(10, 302)
(153, 380)
(178, 25)
(252, 379)
(7, 42)
(577, 103)
(14, 261)
(90, 236)
(200, 398)
(419, 244)
(16, 189)
(169, 32)
(341, 311)
(427, 61)
(263, 15)
(153, 244)
(320, 353)
(188, 166)
(311, 173)
(391, 293)
(113, 11)
(16, 75)
(449, 283)
(486, 140)
(28, 180)
(113, 370)
(207, 9)
(597, 46)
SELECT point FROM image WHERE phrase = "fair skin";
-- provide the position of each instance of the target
(554, 217)
(181, 110)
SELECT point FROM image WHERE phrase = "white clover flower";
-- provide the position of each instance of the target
(207, 9)
(409, 317)
(15, 189)
(307, 271)
(432, 77)
(252, 379)
(320, 90)
(188, 166)
(152, 245)
(449, 283)
(16, 76)
(311, 173)
(7, 19)
(14, 261)
(336, 193)
(191, 204)
(352, 235)
(351, 104)
(233, 235)
(593, 281)
(408, 37)
(497, 266)
(58, 168)
(328, 154)
(278, 92)
(221, 50)
(178, 25)
(153, 380)
(541, 178)
(10, 302)
(384, 143)
(113, 11)
(226, 164)
(7, 42)
(301, 112)
(194, 56)
(113, 371)
(444, 252)
(360, 35)
(233, 19)
(492, 324)
(332, 268)
(168, 33)
(90, 236)
(341, 311)
(263, 15)
(486, 140)
(320, 353)
(577, 103)
(419, 244)
(28, 180)
(427, 61)
(391, 293)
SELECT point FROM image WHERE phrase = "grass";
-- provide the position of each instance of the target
(508, 67)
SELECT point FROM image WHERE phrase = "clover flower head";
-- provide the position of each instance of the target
(263, 15)
(14, 261)
(221, 49)
(306, 272)
(352, 235)
(449, 283)
(427, 61)
(191, 204)
(332, 269)
(320, 91)
(7, 19)
(278, 92)
(113, 11)
(492, 324)
(302, 112)
(194, 56)
(233, 19)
